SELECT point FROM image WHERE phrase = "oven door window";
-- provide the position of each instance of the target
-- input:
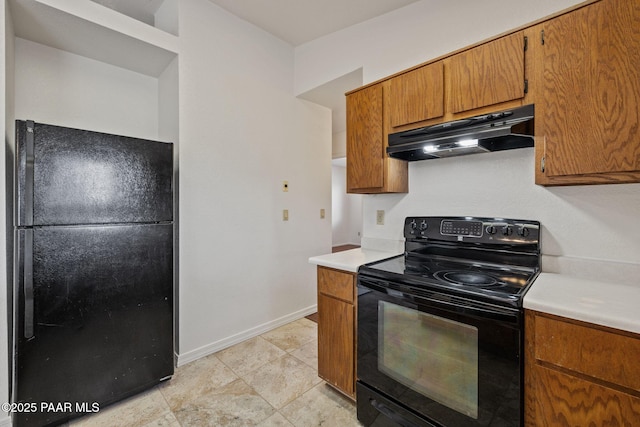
(431, 355)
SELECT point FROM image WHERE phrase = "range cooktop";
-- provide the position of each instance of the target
(493, 259)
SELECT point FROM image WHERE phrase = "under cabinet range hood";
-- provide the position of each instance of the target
(503, 130)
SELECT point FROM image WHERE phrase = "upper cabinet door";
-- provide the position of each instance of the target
(417, 95)
(589, 112)
(365, 142)
(488, 74)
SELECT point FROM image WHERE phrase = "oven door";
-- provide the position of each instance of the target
(439, 358)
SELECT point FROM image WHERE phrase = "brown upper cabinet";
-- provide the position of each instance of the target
(417, 95)
(489, 74)
(369, 169)
(588, 114)
(580, 68)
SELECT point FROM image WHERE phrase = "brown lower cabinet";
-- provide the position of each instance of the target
(580, 374)
(336, 329)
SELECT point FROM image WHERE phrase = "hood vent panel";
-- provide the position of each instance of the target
(504, 130)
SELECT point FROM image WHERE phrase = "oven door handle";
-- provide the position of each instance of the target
(473, 309)
(458, 305)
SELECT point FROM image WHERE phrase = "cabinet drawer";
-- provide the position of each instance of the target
(338, 284)
(606, 355)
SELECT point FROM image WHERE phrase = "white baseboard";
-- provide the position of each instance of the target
(190, 356)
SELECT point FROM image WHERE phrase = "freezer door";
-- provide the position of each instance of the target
(93, 316)
(72, 176)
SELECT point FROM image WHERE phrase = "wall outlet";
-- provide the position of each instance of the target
(380, 217)
(321, 213)
(285, 214)
(285, 186)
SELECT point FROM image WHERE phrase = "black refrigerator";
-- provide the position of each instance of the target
(93, 268)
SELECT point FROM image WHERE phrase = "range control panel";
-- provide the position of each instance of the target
(472, 229)
(453, 227)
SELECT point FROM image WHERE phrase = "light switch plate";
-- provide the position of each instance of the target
(380, 217)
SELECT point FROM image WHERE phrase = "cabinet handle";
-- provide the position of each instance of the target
(542, 164)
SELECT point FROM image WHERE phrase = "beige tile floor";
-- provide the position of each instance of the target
(269, 380)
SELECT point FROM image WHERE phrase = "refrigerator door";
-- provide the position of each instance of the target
(94, 316)
(71, 176)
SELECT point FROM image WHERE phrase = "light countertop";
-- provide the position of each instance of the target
(607, 304)
(350, 260)
(610, 304)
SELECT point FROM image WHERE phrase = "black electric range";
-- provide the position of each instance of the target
(441, 327)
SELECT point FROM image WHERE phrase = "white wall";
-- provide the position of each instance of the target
(242, 132)
(584, 222)
(346, 210)
(60, 88)
(339, 143)
(592, 222)
(411, 35)
(6, 179)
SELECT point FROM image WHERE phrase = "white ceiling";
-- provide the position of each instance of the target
(296, 22)
(300, 21)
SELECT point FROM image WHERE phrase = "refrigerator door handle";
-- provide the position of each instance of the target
(29, 175)
(25, 156)
(27, 283)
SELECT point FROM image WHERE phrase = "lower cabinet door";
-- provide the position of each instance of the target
(336, 359)
(565, 400)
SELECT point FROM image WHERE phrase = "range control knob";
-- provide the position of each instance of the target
(523, 231)
(413, 224)
(423, 225)
(507, 230)
(491, 229)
